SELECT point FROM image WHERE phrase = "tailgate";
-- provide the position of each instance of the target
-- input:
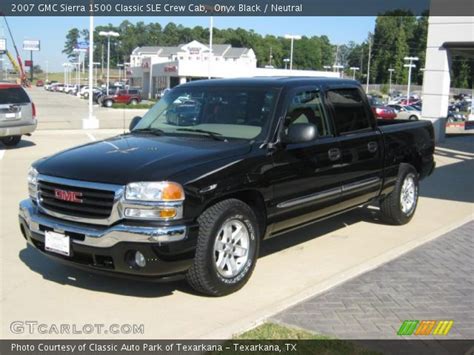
(15, 114)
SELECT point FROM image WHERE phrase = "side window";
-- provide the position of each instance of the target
(350, 110)
(306, 107)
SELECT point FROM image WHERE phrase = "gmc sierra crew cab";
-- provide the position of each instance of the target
(215, 167)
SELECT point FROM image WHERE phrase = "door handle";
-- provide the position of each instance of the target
(372, 147)
(334, 154)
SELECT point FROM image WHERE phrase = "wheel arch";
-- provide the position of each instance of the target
(252, 198)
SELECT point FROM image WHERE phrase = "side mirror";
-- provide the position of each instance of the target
(134, 122)
(301, 133)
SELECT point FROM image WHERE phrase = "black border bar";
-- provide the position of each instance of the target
(235, 7)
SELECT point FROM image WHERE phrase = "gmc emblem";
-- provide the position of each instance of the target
(69, 196)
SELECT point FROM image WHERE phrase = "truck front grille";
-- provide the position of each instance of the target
(76, 201)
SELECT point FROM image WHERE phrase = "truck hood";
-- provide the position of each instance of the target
(129, 158)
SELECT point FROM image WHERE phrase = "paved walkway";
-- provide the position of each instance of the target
(433, 282)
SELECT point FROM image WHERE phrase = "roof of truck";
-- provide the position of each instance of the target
(7, 85)
(287, 81)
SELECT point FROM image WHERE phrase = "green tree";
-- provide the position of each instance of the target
(72, 38)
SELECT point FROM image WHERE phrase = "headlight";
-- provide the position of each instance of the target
(154, 200)
(163, 191)
(32, 179)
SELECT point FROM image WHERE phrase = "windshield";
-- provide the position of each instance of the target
(375, 101)
(227, 112)
(13, 95)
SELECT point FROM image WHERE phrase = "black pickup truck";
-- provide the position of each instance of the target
(192, 192)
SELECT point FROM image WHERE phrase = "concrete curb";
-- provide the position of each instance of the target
(227, 331)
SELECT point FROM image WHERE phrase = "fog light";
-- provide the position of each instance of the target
(140, 259)
(161, 213)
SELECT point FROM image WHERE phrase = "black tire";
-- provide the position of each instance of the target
(11, 141)
(133, 102)
(108, 103)
(391, 205)
(203, 275)
(413, 118)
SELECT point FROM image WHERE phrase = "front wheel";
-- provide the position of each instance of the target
(133, 102)
(413, 118)
(11, 141)
(227, 248)
(399, 206)
(108, 103)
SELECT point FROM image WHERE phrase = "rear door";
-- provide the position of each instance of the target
(360, 143)
(15, 106)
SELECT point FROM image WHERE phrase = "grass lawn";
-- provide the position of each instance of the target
(133, 107)
(275, 331)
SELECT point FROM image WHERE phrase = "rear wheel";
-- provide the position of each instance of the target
(11, 141)
(399, 206)
(227, 249)
(133, 102)
(413, 118)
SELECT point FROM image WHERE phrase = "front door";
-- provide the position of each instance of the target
(305, 176)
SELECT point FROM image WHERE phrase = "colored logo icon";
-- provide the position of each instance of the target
(425, 327)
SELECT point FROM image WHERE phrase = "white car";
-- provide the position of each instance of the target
(406, 112)
(17, 114)
(68, 88)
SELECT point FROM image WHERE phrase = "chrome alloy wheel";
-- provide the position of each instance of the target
(231, 248)
(408, 195)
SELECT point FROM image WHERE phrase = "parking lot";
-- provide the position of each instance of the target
(61, 111)
(291, 268)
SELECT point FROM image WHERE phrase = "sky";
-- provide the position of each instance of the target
(51, 31)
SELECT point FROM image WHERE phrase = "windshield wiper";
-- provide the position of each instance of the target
(155, 131)
(214, 135)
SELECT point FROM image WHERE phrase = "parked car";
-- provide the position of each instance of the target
(454, 116)
(39, 83)
(185, 114)
(380, 110)
(85, 91)
(406, 112)
(128, 96)
(267, 155)
(48, 85)
(58, 87)
(17, 114)
(68, 88)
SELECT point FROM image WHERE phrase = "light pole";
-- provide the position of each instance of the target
(391, 70)
(47, 70)
(66, 72)
(108, 34)
(368, 66)
(286, 61)
(409, 66)
(120, 66)
(354, 69)
(125, 65)
(95, 64)
(336, 67)
(211, 34)
(292, 38)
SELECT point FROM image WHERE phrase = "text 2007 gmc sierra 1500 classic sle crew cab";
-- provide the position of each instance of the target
(215, 167)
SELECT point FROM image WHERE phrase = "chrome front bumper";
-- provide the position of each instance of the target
(98, 236)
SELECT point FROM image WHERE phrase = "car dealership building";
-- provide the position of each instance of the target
(157, 68)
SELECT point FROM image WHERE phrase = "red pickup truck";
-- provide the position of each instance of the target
(123, 96)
